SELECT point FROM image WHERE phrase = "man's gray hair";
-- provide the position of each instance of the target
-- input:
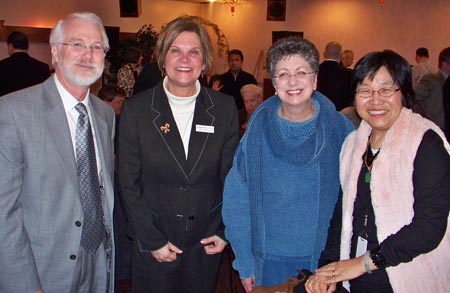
(57, 33)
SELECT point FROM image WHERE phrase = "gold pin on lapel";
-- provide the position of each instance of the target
(165, 128)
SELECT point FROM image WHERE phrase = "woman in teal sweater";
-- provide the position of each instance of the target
(281, 191)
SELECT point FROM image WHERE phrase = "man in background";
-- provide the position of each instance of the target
(429, 100)
(423, 66)
(148, 78)
(56, 171)
(20, 70)
(347, 58)
(234, 79)
(334, 81)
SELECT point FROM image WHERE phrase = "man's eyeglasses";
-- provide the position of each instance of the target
(80, 47)
(383, 92)
(298, 75)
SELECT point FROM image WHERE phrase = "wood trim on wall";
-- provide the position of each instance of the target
(40, 35)
(35, 35)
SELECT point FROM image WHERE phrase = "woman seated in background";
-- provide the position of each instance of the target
(395, 176)
(281, 191)
(128, 73)
(253, 97)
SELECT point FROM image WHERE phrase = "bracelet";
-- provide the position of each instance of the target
(378, 258)
(366, 262)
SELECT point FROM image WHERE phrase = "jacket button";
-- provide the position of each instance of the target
(191, 218)
(78, 223)
(73, 257)
(184, 189)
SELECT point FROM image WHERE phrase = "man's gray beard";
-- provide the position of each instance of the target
(81, 80)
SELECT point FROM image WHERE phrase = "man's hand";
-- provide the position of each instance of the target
(167, 253)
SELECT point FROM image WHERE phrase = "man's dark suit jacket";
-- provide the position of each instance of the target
(20, 71)
(148, 78)
(232, 86)
(335, 82)
(166, 196)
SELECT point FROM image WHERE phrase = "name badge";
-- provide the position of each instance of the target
(361, 246)
(204, 128)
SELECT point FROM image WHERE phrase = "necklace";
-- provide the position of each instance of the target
(369, 158)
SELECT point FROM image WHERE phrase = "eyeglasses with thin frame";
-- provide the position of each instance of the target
(79, 47)
(385, 92)
(298, 75)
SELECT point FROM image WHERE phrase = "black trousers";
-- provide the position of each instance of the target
(193, 272)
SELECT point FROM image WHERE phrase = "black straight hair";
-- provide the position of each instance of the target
(398, 67)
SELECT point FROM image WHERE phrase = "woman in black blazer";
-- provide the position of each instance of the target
(177, 142)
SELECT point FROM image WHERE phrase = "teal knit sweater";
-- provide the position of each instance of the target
(281, 191)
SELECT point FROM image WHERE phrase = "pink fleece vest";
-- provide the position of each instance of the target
(392, 199)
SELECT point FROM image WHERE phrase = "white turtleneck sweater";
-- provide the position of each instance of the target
(183, 111)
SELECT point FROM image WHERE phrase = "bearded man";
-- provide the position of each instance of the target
(56, 171)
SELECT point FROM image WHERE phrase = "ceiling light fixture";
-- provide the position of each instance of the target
(232, 3)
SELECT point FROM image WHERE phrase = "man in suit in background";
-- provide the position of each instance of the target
(334, 81)
(149, 77)
(234, 79)
(20, 70)
(429, 101)
(56, 171)
(347, 58)
(423, 65)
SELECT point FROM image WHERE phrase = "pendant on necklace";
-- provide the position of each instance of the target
(367, 177)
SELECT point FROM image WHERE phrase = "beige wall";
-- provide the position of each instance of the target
(360, 25)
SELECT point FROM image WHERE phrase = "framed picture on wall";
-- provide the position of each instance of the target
(130, 8)
(276, 10)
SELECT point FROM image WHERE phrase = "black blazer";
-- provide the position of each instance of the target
(335, 81)
(20, 71)
(166, 197)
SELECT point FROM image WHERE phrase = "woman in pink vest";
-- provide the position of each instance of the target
(390, 228)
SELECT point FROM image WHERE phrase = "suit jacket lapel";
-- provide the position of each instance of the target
(53, 109)
(166, 126)
(198, 139)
